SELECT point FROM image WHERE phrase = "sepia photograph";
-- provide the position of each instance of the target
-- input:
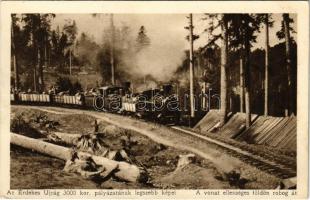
(153, 101)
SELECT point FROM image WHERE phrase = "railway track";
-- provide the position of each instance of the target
(261, 162)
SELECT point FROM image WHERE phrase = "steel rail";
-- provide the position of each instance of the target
(272, 167)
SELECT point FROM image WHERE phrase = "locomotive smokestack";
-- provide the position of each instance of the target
(167, 89)
(127, 86)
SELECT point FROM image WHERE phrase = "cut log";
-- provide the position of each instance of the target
(41, 147)
(125, 171)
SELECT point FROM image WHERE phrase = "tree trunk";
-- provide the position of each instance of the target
(224, 54)
(34, 55)
(35, 78)
(290, 103)
(241, 84)
(40, 68)
(49, 57)
(41, 147)
(247, 80)
(230, 92)
(204, 92)
(112, 51)
(266, 66)
(70, 62)
(35, 74)
(191, 67)
(45, 52)
(16, 77)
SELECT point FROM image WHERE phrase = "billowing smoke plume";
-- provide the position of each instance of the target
(158, 60)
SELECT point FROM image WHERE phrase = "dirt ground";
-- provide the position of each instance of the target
(30, 170)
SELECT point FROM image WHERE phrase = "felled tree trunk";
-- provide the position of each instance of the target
(124, 171)
(42, 147)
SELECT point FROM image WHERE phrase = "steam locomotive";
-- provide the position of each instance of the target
(159, 104)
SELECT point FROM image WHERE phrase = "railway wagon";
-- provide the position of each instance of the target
(34, 97)
(24, 98)
(12, 97)
(47, 99)
(67, 99)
